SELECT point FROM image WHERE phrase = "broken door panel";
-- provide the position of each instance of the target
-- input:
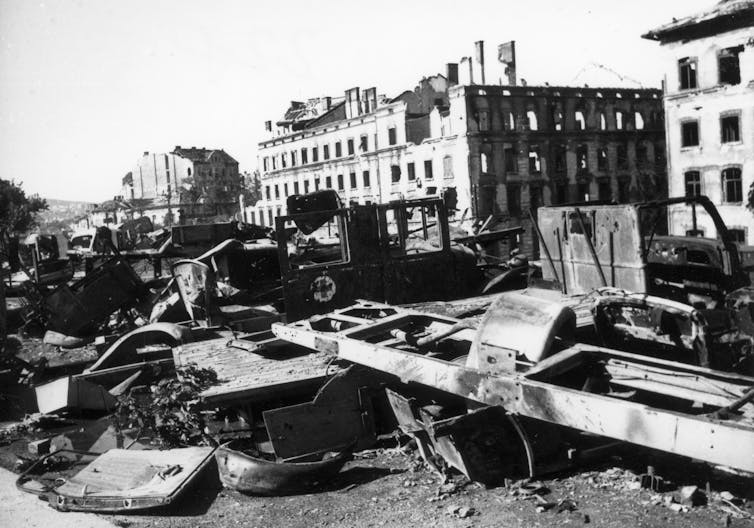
(121, 480)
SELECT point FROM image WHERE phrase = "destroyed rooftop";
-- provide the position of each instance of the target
(725, 16)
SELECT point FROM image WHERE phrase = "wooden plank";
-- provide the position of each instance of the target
(276, 366)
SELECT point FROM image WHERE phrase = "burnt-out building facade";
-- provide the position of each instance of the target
(542, 145)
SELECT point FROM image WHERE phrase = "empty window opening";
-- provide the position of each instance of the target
(693, 182)
(267, 193)
(484, 120)
(728, 65)
(604, 190)
(285, 190)
(639, 121)
(511, 160)
(365, 179)
(316, 184)
(582, 192)
(295, 188)
(511, 121)
(690, 134)
(732, 186)
(340, 182)
(582, 157)
(349, 145)
(283, 160)
(687, 73)
(304, 158)
(580, 121)
(531, 115)
(395, 173)
(603, 121)
(411, 171)
(484, 160)
(602, 159)
(338, 150)
(642, 153)
(428, 170)
(560, 158)
(730, 131)
(315, 154)
(352, 178)
(513, 192)
(328, 182)
(561, 193)
(326, 152)
(534, 159)
(738, 234)
(392, 137)
(306, 186)
(619, 120)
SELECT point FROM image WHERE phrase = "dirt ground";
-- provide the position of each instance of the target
(391, 487)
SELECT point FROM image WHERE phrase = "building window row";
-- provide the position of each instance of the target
(284, 159)
(730, 179)
(730, 130)
(728, 69)
(621, 119)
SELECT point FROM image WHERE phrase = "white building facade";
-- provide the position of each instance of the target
(709, 110)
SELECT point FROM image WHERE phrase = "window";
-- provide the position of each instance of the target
(447, 167)
(693, 180)
(534, 160)
(328, 182)
(738, 234)
(316, 184)
(511, 121)
(338, 150)
(732, 187)
(363, 144)
(690, 134)
(531, 116)
(511, 160)
(580, 121)
(340, 182)
(306, 186)
(391, 136)
(582, 157)
(622, 156)
(315, 154)
(604, 192)
(349, 146)
(395, 173)
(623, 190)
(642, 153)
(267, 193)
(557, 119)
(428, 170)
(728, 67)
(411, 171)
(284, 160)
(602, 159)
(484, 120)
(285, 190)
(269, 217)
(582, 192)
(326, 152)
(618, 120)
(265, 163)
(536, 199)
(293, 158)
(561, 193)
(296, 188)
(365, 179)
(352, 178)
(730, 131)
(687, 73)
(484, 162)
(304, 159)
(274, 162)
(560, 158)
(603, 121)
(513, 192)
(309, 257)
(639, 120)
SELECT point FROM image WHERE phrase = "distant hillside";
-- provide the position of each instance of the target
(61, 213)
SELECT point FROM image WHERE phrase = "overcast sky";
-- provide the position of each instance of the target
(87, 86)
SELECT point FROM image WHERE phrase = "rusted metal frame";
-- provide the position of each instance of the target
(544, 246)
(590, 245)
(698, 437)
(564, 287)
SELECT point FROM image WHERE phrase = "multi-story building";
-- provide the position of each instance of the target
(709, 111)
(185, 183)
(505, 149)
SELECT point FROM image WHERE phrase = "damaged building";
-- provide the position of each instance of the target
(709, 105)
(504, 149)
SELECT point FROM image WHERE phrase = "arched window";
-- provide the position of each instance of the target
(531, 115)
(732, 186)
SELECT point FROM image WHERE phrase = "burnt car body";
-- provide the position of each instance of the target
(628, 246)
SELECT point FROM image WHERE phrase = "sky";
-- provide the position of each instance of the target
(87, 86)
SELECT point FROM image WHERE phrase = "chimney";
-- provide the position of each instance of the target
(479, 55)
(328, 102)
(146, 153)
(369, 100)
(177, 147)
(451, 72)
(353, 103)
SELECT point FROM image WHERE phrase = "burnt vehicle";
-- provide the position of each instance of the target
(628, 246)
(400, 252)
(40, 257)
(649, 325)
